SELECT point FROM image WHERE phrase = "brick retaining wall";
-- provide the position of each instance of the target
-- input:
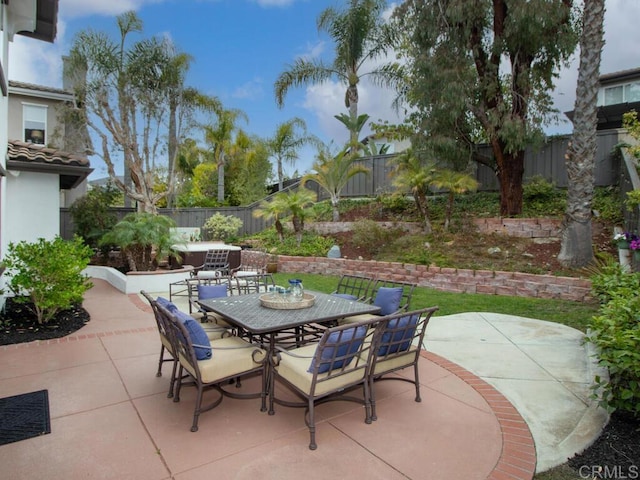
(453, 279)
(446, 279)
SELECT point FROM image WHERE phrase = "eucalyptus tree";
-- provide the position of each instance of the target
(576, 249)
(135, 101)
(289, 137)
(219, 136)
(490, 64)
(360, 35)
(332, 172)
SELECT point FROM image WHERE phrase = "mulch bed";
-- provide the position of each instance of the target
(19, 324)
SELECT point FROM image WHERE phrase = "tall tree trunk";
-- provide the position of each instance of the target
(510, 171)
(577, 243)
(221, 179)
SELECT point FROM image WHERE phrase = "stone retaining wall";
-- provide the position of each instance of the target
(515, 227)
(446, 279)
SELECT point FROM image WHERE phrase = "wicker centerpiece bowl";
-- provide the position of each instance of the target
(271, 300)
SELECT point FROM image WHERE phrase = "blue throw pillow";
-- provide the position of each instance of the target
(388, 299)
(346, 350)
(345, 296)
(163, 302)
(398, 330)
(211, 291)
(197, 335)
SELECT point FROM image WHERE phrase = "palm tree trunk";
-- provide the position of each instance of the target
(577, 250)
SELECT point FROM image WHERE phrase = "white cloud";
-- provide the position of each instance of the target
(251, 90)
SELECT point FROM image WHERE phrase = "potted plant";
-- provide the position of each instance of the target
(272, 262)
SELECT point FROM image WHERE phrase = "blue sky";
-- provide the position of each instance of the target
(240, 47)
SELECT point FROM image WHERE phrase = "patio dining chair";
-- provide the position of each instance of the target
(203, 289)
(353, 287)
(399, 347)
(255, 283)
(211, 365)
(165, 343)
(325, 371)
(216, 265)
(390, 295)
(252, 262)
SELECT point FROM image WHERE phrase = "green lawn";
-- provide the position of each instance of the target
(573, 314)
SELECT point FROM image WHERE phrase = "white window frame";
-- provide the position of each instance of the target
(33, 124)
(625, 90)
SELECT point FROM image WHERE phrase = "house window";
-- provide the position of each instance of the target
(632, 92)
(613, 95)
(35, 123)
(629, 92)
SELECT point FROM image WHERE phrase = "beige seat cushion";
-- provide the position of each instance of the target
(399, 360)
(294, 370)
(358, 318)
(231, 356)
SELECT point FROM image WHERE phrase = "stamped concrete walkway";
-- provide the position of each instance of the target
(111, 418)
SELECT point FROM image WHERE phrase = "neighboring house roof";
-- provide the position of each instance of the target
(41, 91)
(616, 77)
(72, 168)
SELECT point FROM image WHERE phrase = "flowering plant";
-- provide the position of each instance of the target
(635, 244)
(625, 239)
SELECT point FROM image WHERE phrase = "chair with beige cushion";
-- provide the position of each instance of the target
(203, 289)
(390, 295)
(165, 342)
(353, 287)
(399, 347)
(215, 266)
(327, 370)
(210, 365)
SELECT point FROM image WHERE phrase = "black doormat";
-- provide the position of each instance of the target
(24, 416)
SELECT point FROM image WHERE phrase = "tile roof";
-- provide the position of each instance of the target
(38, 88)
(71, 168)
(32, 153)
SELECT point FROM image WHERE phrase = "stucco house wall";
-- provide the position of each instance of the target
(34, 211)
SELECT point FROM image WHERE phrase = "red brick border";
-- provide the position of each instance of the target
(518, 457)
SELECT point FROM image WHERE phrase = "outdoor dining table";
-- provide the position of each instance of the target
(248, 313)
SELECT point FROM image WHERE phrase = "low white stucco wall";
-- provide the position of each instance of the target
(154, 282)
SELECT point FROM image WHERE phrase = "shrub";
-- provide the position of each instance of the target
(369, 234)
(222, 227)
(140, 236)
(312, 244)
(615, 331)
(92, 215)
(48, 274)
(542, 198)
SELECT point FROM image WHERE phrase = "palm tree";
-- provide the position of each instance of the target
(360, 35)
(298, 201)
(577, 248)
(274, 209)
(332, 173)
(412, 175)
(455, 183)
(285, 143)
(220, 137)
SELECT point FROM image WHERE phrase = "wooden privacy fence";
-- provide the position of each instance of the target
(547, 162)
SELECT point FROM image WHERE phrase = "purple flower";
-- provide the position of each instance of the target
(635, 244)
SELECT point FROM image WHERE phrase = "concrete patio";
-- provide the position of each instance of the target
(111, 418)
